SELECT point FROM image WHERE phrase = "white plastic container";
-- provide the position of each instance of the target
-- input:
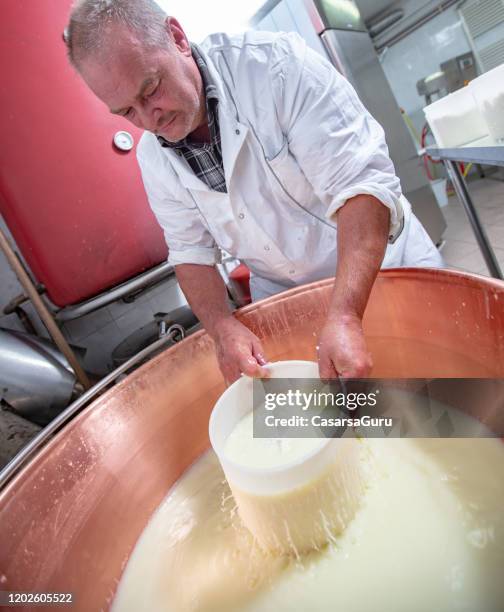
(488, 92)
(297, 506)
(455, 120)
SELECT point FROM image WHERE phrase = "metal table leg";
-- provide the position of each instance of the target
(483, 242)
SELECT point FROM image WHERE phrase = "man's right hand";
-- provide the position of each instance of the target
(238, 351)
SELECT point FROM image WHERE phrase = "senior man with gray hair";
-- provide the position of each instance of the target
(256, 145)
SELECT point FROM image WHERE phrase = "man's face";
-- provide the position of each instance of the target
(159, 90)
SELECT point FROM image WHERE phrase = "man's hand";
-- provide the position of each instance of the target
(238, 350)
(363, 224)
(342, 349)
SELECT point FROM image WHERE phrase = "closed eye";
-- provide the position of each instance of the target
(153, 91)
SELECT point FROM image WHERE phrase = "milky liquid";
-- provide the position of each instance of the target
(428, 536)
(242, 448)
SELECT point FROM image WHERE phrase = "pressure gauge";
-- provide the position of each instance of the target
(123, 141)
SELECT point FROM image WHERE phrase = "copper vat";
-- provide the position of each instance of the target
(70, 518)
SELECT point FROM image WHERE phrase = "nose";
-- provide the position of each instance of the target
(148, 117)
(156, 115)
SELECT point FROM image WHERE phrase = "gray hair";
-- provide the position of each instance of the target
(90, 22)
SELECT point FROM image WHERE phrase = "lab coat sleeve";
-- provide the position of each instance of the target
(188, 239)
(339, 146)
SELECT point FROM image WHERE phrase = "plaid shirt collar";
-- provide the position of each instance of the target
(211, 101)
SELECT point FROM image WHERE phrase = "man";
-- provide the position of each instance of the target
(257, 145)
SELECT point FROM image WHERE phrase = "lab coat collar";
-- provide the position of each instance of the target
(233, 135)
(232, 131)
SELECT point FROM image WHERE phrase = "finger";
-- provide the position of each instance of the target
(264, 372)
(258, 352)
(327, 369)
(360, 368)
(249, 366)
(261, 359)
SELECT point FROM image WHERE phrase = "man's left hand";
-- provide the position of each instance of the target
(342, 349)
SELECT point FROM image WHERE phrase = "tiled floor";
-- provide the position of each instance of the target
(101, 331)
(461, 250)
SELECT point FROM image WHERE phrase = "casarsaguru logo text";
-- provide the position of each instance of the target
(318, 421)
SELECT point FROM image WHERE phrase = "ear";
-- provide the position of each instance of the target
(177, 35)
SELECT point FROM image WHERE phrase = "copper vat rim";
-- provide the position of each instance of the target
(466, 279)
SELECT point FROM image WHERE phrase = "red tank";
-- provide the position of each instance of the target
(73, 202)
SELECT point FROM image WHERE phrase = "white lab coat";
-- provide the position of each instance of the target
(296, 144)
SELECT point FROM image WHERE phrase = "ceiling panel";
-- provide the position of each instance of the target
(370, 8)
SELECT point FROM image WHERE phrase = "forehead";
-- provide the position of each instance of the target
(117, 72)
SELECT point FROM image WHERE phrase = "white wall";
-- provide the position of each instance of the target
(420, 54)
(292, 16)
(200, 18)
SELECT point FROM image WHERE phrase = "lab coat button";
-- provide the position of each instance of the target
(241, 216)
(237, 132)
(266, 247)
